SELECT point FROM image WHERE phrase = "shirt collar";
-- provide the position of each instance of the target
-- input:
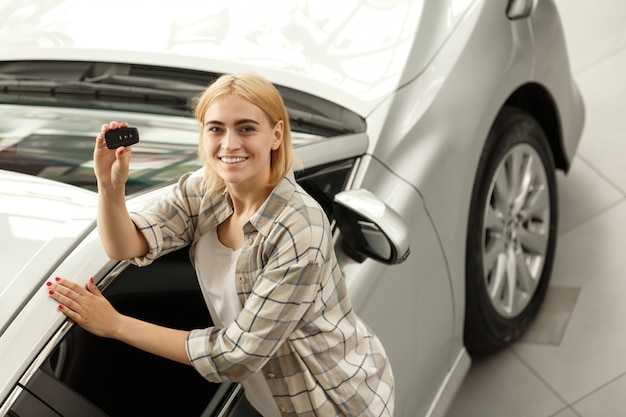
(265, 216)
(219, 207)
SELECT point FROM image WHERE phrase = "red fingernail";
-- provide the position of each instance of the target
(60, 306)
(57, 279)
(50, 292)
(91, 279)
(48, 283)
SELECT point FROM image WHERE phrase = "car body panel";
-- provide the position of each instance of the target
(40, 220)
(421, 283)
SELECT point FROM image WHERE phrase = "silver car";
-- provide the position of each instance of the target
(429, 130)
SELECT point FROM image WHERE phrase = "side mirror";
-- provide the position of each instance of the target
(370, 227)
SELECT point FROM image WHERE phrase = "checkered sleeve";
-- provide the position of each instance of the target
(169, 225)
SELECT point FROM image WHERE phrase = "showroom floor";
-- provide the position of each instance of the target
(572, 362)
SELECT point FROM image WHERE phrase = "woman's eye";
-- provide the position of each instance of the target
(247, 129)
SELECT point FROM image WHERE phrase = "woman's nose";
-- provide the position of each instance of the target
(230, 140)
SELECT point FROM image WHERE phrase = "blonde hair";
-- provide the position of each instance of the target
(260, 92)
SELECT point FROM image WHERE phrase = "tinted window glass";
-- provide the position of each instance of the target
(325, 181)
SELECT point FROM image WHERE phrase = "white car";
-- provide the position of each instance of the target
(429, 130)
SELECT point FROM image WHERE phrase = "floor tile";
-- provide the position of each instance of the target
(604, 140)
(583, 193)
(500, 385)
(594, 29)
(592, 254)
(592, 350)
(554, 316)
(608, 401)
(567, 413)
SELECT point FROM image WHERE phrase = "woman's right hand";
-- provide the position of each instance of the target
(111, 166)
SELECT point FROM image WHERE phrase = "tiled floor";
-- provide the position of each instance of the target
(573, 361)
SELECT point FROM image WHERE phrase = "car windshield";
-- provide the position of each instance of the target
(51, 111)
(57, 144)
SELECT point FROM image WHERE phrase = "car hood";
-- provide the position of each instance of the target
(355, 53)
(40, 221)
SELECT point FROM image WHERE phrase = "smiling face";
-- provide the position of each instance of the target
(237, 140)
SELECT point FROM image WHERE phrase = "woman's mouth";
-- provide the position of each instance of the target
(232, 160)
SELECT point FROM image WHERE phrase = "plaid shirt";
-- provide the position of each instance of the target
(297, 325)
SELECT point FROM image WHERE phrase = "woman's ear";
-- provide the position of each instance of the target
(278, 134)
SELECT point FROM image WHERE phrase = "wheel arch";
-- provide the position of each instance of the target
(539, 103)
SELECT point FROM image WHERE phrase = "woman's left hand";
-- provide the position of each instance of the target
(86, 306)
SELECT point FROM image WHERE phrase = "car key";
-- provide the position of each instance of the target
(123, 136)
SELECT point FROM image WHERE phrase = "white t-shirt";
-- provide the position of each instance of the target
(215, 267)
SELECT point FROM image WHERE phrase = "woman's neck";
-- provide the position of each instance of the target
(246, 201)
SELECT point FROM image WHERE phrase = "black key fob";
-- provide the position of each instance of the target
(123, 136)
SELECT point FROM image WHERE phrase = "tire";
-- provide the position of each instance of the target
(511, 234)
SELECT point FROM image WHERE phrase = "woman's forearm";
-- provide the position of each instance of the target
(161, 341)
(119, 236)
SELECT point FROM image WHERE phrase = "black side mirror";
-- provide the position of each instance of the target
(370, 228)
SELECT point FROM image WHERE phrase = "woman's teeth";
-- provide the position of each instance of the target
(232, 160)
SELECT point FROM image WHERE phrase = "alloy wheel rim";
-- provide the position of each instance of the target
(516, 230)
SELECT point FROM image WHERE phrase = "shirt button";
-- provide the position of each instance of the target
(250, 241)
(282, 409)
(271, 375)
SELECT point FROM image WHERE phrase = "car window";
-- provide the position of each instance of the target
(323, 182)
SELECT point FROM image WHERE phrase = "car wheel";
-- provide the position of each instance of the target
(511, 232)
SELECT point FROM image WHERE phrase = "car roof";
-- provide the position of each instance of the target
(356, 56)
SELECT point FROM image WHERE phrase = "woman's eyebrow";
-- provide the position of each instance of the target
(246, 121)
(237, 123)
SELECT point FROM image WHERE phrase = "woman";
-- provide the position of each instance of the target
(263, 252)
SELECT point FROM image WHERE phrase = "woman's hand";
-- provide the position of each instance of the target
(87, 307)
(120, 237)
(111, 165)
